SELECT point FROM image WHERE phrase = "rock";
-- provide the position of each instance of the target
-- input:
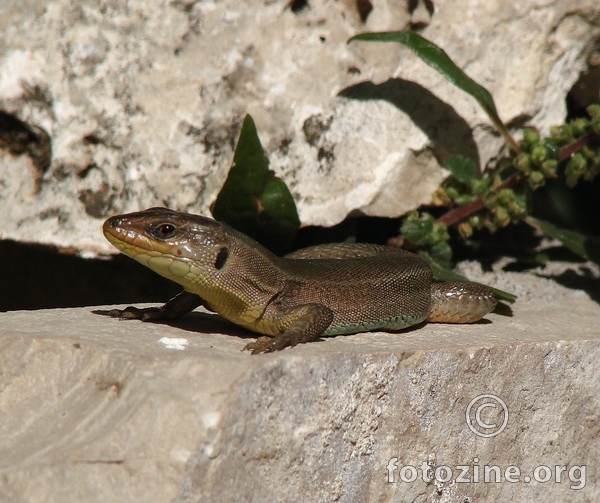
(97, 409)
(143, 102)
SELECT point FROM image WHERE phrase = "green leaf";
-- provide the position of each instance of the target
(587, 247)
(462, 168)
(255, 201)
(442, 252)
(421, 229)
(444, 274)
(418, 230)
(435, 57)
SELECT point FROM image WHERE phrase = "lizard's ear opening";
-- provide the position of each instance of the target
(221, 258)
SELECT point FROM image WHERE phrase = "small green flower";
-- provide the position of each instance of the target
(465, 230)
(480, 186)
(593, 110)
(501, 216)
(536, 180)
(530, 137)
(539, 154)
(548, 168)
(561, 134)
(575, 168)
(580, 126)
(523, 162)
(475, 221)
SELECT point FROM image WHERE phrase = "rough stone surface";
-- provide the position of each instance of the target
(142, 101)
(96, 409)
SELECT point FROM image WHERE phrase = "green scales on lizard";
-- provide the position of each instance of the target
(323, 290)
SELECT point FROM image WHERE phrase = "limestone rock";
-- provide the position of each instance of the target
(97, 409)
(143, 101)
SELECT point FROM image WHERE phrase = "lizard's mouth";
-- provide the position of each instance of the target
(161, 257)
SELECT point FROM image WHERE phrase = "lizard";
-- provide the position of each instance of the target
(323, 290)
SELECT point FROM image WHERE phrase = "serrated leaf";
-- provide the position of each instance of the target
(444, 274)
(462, 168)
(418, 231)
(255, 201)
(587, 247)
(437, 58)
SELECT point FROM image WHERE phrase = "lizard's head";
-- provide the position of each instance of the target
(179, 246)
(223, 266)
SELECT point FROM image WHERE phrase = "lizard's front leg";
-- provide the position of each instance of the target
(179, 305)
(302, 324)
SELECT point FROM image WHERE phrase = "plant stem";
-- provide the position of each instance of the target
(510, 141)
(568, 150)
(458, 214)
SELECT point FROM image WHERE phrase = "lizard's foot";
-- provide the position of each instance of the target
(264, 344)
(309, 323)
(179, 305)
(136, 313)
(268, 344)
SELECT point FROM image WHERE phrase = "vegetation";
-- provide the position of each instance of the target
(259, 203)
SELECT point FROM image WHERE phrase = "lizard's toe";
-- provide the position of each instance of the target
(263, 344)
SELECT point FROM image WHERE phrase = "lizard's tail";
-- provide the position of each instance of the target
(456, 302)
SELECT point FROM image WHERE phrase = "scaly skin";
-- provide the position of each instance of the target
(322, 290)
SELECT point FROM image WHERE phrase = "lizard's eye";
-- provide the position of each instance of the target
(165, 231)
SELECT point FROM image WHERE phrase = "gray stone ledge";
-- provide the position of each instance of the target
(97, 409)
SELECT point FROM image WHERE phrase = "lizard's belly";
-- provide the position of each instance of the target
(393, 323)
